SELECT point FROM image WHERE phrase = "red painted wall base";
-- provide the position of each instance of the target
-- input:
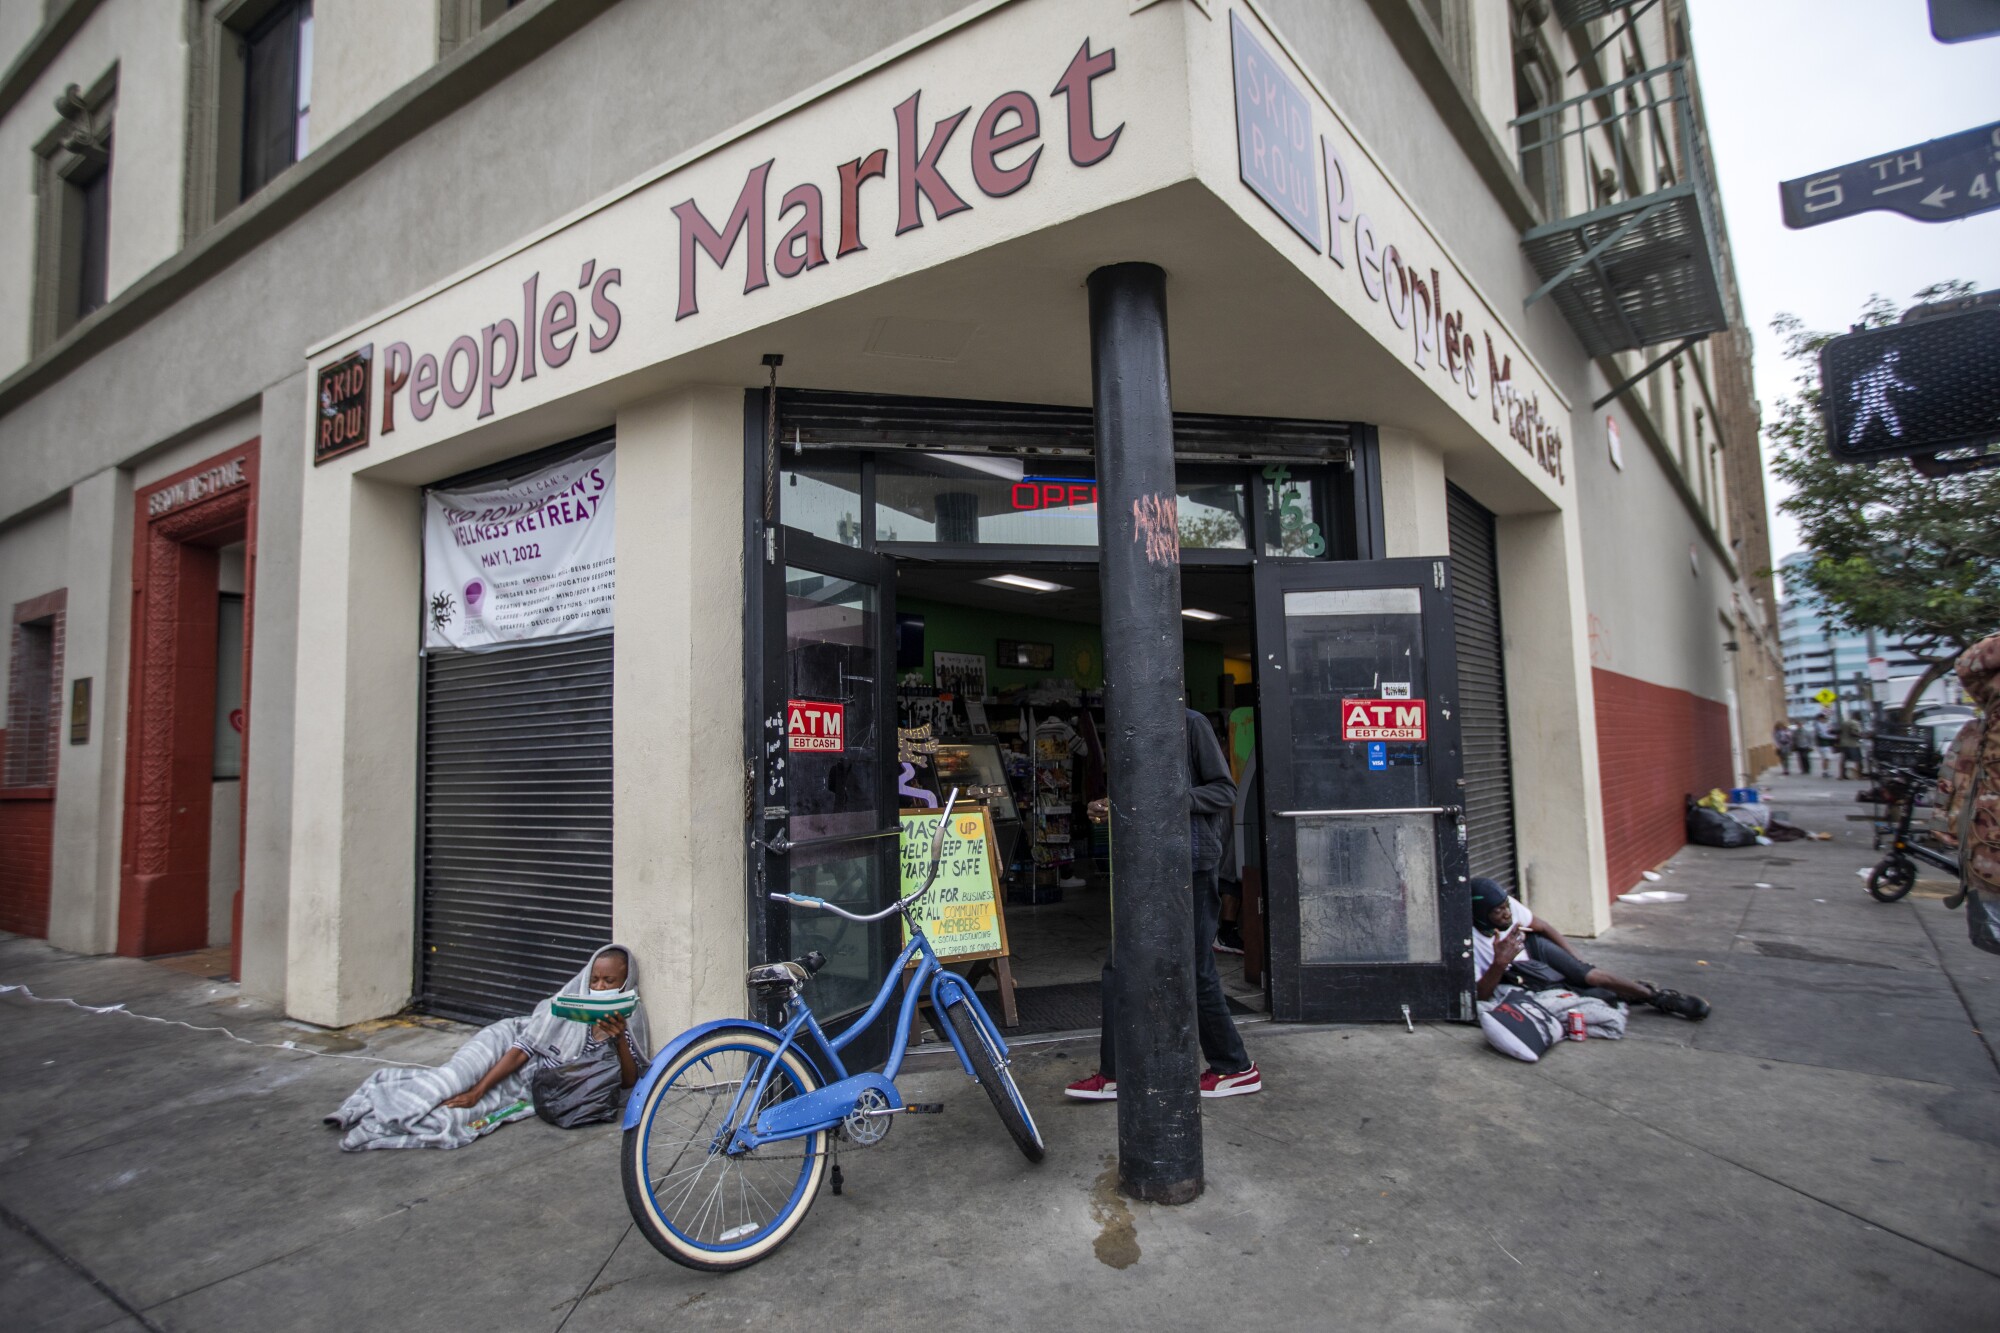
(1654, 746)
(27, 840)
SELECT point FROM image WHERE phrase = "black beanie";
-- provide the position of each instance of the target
(1486, 895)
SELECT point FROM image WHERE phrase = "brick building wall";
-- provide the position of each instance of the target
(1654, 746)
(29, 748)
(27, 837)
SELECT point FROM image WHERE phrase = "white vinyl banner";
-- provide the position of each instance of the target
(526, 559)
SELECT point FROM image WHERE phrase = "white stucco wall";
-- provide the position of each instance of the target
(20, 20)
(678, 860)
(1414, 520)
(143, 39)
(196, 446)
(1656, 584)
(350, 925)
(1493, 65)
(363, 50)
(83, 899)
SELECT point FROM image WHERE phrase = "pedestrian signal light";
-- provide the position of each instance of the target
(1913, 388)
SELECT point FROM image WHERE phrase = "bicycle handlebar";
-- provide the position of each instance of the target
(901, 904)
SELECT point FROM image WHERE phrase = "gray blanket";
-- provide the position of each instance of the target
(398, 1108)
(1599, 1019)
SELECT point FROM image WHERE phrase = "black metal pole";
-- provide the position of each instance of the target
(1159, 1111)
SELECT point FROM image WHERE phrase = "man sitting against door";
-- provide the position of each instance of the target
(1211, 799)
(1512, 944)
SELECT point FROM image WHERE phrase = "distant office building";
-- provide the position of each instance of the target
(1819, 656)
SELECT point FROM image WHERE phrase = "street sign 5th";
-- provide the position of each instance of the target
(1952, 177)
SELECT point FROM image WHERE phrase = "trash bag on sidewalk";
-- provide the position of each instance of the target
(1982, 920)
(1711, 828)
(581, 1092)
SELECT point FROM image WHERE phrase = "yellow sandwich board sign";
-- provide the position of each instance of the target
(962, 915)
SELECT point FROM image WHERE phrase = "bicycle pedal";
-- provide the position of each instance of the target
(838, 1178)
(924, 1108)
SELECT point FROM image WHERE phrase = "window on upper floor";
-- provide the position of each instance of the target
(277, 59)
(250, 80)
(33, 686)
(1537, 84)
(1702, 459)
(1453, 21)
(73, 210)
(459, 21)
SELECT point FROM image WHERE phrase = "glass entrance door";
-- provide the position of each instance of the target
(829, 825)
(1364, 826)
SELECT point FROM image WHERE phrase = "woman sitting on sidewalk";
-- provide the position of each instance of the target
(488, 1082)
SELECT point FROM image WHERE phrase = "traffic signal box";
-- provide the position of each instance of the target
(1914, 388)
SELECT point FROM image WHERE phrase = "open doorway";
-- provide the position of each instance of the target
(1005, 663)
(194, 578)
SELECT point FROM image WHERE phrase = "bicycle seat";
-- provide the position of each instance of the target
(775, 980)
(786, 979)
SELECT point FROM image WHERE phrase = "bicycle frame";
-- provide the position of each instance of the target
(1900, 841)
(929, 971)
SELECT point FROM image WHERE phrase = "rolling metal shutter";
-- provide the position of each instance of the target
(1482, 690)
(516, 828)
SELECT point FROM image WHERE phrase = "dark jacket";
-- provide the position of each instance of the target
(1211, 792)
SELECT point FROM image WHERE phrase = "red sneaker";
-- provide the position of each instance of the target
(1232, 1085)
(1096, 1088)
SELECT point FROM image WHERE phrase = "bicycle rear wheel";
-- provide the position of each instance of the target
(996, 1078)
(697, 1203)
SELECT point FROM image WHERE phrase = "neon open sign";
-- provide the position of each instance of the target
(1053, 492)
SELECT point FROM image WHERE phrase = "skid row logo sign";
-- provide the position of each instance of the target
(1382, 720)
(814, 725)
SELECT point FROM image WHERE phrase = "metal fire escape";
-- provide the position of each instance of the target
(1641, 267)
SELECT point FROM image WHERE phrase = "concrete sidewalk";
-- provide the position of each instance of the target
(1824, 1152)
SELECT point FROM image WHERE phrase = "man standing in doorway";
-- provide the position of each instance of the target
(1211, 799)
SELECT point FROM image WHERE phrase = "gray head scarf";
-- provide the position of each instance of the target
(544, 1031)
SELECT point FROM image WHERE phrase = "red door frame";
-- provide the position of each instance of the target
(163, 880)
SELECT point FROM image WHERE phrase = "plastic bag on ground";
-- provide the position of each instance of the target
(1982, 920)
(1711, 828)
(1756, 814)
(582, 1092)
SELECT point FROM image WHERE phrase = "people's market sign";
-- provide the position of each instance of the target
(705, 247)
(1297, 155)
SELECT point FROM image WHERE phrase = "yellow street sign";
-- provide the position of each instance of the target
(1825, 697)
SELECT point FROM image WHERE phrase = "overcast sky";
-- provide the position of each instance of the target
(1793, 87)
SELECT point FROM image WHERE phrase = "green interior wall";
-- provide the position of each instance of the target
(965, 629)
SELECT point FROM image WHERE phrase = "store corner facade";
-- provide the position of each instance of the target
(916, 219)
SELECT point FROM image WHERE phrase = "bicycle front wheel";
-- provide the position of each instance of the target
(698, 1203)
(1892, 878)
(996, 1078)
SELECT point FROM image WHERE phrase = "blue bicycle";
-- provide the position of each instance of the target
(728, 1135)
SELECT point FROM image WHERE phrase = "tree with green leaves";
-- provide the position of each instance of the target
(1892, 550)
